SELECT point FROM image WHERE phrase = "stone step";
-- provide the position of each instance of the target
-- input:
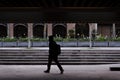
(45, 63)
(66, 57)
(63, 56)
(64, 60)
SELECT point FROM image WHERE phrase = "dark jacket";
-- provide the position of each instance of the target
(52, 47)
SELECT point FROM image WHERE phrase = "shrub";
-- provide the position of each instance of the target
(101, 38)
(38, 39)
(71, 33)
(23, 39)
(84, 39)
(58, 39)
(8, 39)
(116, 39)
(69, 39)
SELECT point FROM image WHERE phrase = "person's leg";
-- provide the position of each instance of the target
(48, 65)
(58, 64)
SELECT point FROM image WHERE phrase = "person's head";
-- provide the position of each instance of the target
(51, 38)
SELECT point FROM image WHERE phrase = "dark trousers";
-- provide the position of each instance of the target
(55, 59)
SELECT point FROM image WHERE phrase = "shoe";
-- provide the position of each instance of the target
(46, 71)
(62, 72)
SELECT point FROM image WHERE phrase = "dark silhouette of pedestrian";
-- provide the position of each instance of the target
(53, 56)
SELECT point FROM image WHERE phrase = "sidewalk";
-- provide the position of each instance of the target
(72, 72)
(63, 48)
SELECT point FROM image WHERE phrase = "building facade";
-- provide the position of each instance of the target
(43, 30)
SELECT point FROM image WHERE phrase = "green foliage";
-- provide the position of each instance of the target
(69, 39)
(1, 39)
(23, 39)
(38, 39)
(116, 39)
(101, 38)
(83, 39)
(58, 39)
(71, 33)
(8, 39)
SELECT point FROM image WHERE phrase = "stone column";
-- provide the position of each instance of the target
(45, 31)
(30, 30)
(70, 26)
(92, 29)
(30, 33)
(92, 26)
(49, 29)
(113, 32)
(10, 30)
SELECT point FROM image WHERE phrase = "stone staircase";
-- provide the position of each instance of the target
(67, 57)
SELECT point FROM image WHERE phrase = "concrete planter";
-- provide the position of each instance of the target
(22, 44)
(1, 44)
(39, 44)
(70, 44)
(9, 44)
(83, 43)
(64, 44)
(114, 44)
(100, 44)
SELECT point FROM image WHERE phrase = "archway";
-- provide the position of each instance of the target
(38, 31)
(59, 30)
(20, 31)
(82, 30)
(3, 31)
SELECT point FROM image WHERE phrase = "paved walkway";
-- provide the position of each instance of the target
(72, 72)
(63, 48)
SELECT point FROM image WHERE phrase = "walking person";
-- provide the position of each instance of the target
(53, 55)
